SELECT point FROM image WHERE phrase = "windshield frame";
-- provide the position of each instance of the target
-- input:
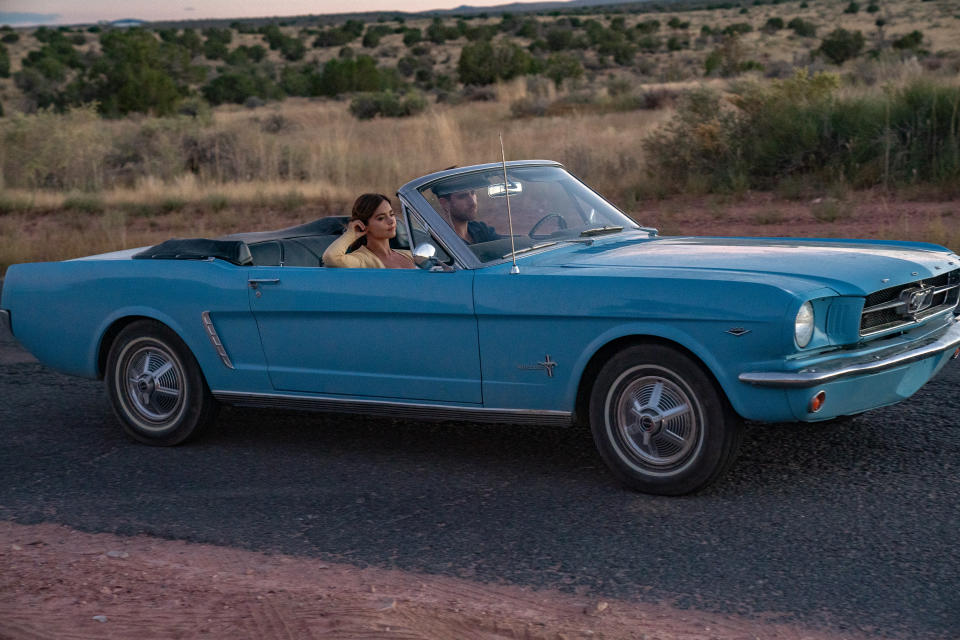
(411, 194)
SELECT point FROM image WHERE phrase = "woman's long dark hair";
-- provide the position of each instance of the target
(364, 208)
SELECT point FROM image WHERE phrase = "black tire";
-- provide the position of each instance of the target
(660, 422)
(156, 387)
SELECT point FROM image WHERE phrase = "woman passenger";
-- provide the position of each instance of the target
(373, 223)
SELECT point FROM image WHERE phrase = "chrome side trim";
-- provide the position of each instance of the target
(433, 412)
(215, 339)
(808, 378)
(5, 326)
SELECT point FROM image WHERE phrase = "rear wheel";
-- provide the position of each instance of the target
(156, 386)
(660, 422)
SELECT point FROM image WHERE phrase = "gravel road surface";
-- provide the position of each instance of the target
(850, 527)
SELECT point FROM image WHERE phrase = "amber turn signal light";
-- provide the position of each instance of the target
(817, 402)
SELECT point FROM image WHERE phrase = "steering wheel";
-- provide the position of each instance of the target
(561, 224)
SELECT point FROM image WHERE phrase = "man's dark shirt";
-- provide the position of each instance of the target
(481, 232)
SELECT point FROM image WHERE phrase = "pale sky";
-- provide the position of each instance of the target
(23, 12)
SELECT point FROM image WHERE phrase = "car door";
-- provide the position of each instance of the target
(404, 334)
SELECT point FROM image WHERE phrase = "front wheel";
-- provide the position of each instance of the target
(660, 422)
(156, 386)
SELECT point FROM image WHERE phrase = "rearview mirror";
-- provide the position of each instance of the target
(497, 190)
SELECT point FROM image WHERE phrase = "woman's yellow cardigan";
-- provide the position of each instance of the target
(336, 254)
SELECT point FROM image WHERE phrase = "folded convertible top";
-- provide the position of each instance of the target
(235, 251)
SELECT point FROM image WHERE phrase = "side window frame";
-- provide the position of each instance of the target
(410, 214)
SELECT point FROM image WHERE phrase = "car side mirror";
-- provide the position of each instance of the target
(424, 256)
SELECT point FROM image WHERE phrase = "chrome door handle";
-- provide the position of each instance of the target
(255, 282)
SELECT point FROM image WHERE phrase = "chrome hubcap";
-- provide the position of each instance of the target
(657, 420)
(154, 384)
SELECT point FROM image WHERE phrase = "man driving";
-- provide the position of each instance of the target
(459, 206)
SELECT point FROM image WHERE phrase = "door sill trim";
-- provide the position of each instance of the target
(433, 412)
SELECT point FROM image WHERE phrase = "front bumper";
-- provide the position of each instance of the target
(858, 365)
(5, 327)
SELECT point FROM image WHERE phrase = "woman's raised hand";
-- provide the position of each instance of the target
(357, 226)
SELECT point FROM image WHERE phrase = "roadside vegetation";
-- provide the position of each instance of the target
(227, 125)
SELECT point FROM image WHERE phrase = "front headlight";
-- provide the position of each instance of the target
(803, 325)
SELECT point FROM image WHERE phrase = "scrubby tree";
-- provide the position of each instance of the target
(803, 28)
(4, 62)
(773, 24)
(561, 66)
(412, 37)
(486, 62)
(842, 45)
(913, 40)
(852, 8)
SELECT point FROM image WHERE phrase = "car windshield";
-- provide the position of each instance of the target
(547, 205)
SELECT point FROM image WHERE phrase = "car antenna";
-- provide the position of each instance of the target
(506, 193)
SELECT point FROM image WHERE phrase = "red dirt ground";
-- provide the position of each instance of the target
(56, 582)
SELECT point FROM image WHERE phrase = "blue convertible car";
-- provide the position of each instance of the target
(536, 301)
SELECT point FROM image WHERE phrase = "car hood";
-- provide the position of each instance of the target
(850, 267)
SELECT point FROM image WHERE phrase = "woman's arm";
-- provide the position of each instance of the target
(336, 254)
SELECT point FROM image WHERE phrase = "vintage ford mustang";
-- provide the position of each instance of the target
(535, 301)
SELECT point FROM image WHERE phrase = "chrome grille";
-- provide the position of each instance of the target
(895, 307)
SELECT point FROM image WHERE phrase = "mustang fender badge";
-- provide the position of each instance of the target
(738, 331)
(547, 364)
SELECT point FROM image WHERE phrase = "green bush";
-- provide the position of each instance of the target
(486, 62)
(412, 37)
(4, 62)
(84, 204)
(852, 8)
(774, 24)
(803, 28)
(387, 104)
(842, 45)
(561, 66)
(913, 40)
(802, 127)
(10, 38)
(738, 28)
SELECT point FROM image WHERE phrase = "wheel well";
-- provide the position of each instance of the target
(607, 351)
(109, 336)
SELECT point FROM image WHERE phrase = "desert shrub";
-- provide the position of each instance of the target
(438, 33)
(237, 86)
(676, 44)
(529, 29)
(412, 37)
(737, 28)
(647, 26)
(561, 66)
(486, 62)
(801, 126)
(346, 75)
(913, 40)
(51, 150)
(852, 8)
(387, 104)
(774, 24)
(215, 47)
(10, 38)
(842, 45)
(872, 8)
(84, 203)
(244, 54)
(803, 28)
(4, 62)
